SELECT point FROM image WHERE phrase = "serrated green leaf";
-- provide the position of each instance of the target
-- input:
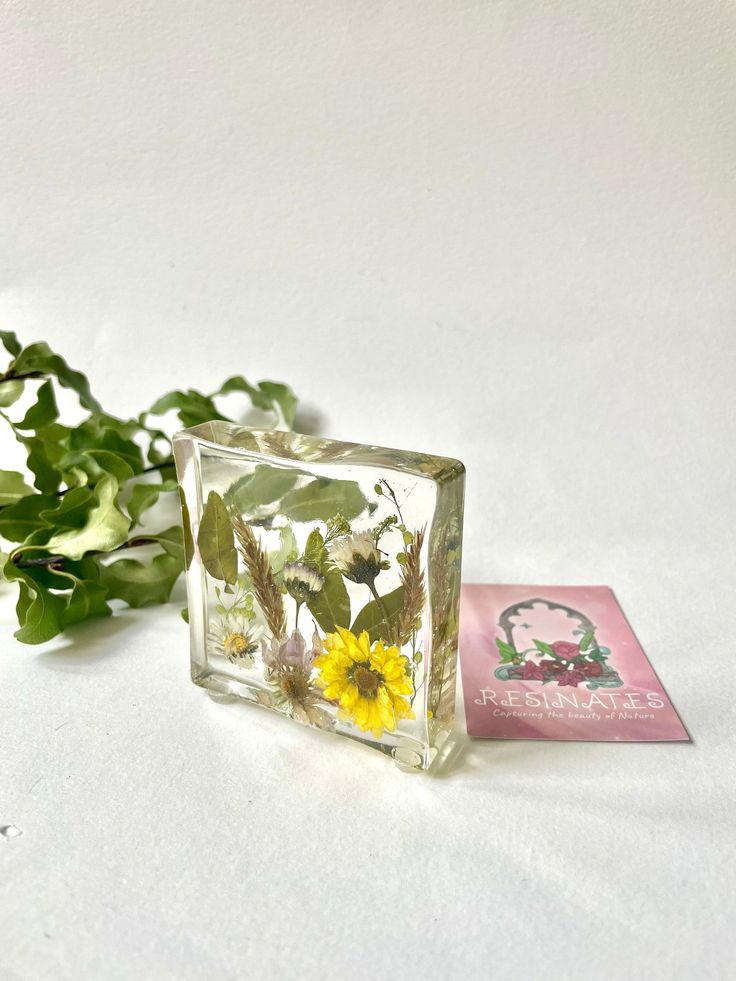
(283, 397)
(11, 343)
(156, 455)
(141, 584)
(98, 435)
(109, 462)
(89, 466)
(215, 540)
(91, 462)
(40, 612)
(19, 520)
(330, 607)
(371, 617)
(39, 358)
(103, 421)
(71, 510)
(267, 395)
(322, 499)
(236, 383)
(144, 496)
(192, 407)
(171, 541)
(46, 575)
(44, 410)
(38, 537)
(87, 600)
(10, 392)
(105, 528)
(45, 450)
(75, 477)
(12, 487)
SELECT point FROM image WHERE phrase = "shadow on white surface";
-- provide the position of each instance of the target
(311, 421)
(91, 641)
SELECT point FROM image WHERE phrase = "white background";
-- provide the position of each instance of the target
(502, 231)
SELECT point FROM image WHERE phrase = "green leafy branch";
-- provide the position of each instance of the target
(89, 489)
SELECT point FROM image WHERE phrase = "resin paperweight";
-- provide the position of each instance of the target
(323, 580)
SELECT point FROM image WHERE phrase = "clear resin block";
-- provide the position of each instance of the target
(324, 581)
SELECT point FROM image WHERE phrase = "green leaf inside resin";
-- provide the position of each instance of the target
(330, 607)
(372, 619)
(216, 542)
(264, 486)
(323, 498)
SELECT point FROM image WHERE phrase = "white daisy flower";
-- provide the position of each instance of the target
(302, 581)
(357, 557)
(237, 641)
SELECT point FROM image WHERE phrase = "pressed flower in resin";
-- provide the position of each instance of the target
(357, 557)
(368, 683)
(238, 642)
(357, 548)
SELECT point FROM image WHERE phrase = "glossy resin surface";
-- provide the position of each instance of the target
(323, 581)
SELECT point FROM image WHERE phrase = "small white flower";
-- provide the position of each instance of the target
(302, 581)
(237, 641)
(357, 557)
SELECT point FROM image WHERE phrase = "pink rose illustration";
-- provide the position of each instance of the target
(566, 649)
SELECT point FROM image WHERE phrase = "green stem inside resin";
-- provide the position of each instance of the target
(382, 607)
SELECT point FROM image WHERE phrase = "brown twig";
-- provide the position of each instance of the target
(56, 562)
(24, 376)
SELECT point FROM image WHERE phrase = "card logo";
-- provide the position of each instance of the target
(568, 656)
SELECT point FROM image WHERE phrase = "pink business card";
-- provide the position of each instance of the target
(557, 662)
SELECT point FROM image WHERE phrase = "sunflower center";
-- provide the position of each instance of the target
(367, 681)
(235, 644)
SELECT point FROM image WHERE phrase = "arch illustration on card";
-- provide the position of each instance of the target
(549, 642)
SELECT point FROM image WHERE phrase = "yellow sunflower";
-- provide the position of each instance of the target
(367, 683)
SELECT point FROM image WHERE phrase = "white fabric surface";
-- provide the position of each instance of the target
(498, 231)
